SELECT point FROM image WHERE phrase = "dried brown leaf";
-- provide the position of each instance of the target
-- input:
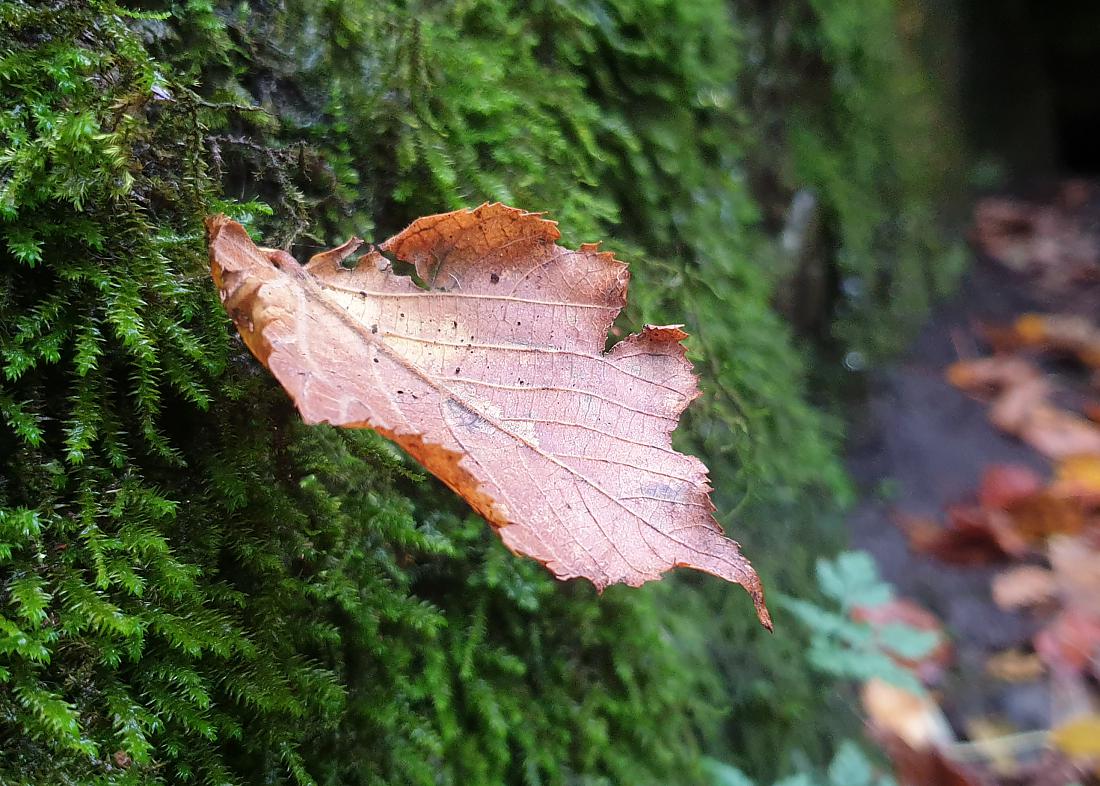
(1015, 666)
(1021, 405)
(1027, 585)
(1004, 484)
(1076, 564)
(914, 718)
(1067, 333)
(1014, 408)
(1050, 242)
(1071, 642)
(991, 374)
(1039, 516)
(494, 377)
(973, 536)
(1058, 433)
(928, 766)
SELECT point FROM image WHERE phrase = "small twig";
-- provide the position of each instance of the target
(982, 750)
(227, 106)
(963, 344)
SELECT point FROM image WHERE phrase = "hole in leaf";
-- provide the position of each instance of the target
(402, 268)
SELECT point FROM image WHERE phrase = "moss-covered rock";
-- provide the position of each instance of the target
(195, 587)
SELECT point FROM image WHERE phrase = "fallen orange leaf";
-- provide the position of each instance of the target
(1038, 516)
(1078, 477)
(1061, 332)
(991, 374)
(1078, 738)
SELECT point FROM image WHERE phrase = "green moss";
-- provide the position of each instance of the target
(195, 587)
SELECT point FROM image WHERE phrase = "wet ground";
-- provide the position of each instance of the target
(918, 445)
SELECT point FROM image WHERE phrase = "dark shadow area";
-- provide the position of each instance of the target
(1029, 84)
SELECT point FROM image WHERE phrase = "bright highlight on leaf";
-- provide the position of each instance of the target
(489, 368)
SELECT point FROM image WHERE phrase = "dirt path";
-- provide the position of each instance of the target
(918, 445)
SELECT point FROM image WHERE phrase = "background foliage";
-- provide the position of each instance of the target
(195, 588)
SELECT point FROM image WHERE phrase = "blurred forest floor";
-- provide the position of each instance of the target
(978, 459)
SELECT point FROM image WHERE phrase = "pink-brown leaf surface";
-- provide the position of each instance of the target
(493, 375)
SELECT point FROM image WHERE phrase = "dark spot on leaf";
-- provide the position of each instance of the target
(493, 277)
